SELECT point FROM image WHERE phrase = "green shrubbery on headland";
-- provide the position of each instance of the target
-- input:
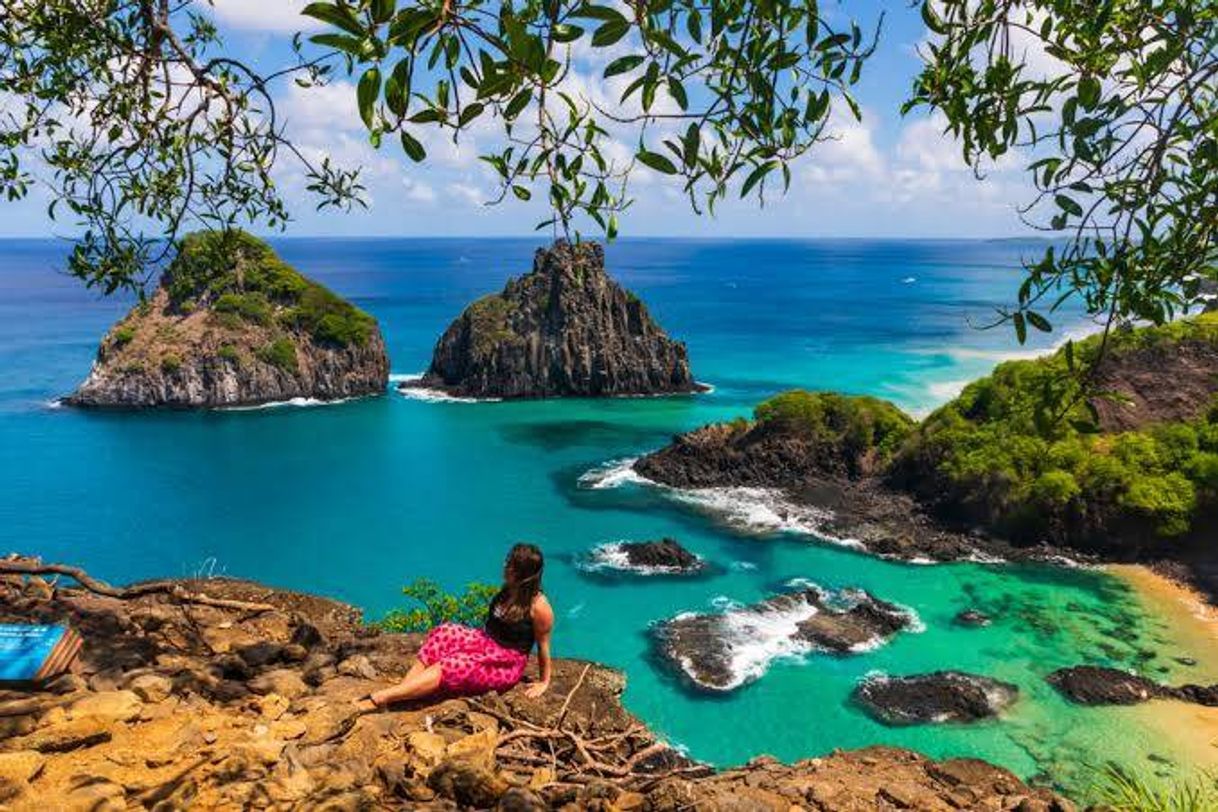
(1023, 452)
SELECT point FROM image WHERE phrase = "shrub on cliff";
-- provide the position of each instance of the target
(853, 426)
(236, 273)
(437, 606)
(1021, 452)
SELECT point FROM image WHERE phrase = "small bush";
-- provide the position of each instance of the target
(280, 353)
(252, 307)
(171, 363)
(437, 606)
(229, 353)
(123, 336)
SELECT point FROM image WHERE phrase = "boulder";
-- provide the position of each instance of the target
(566, 329)
(663, 557)
(941, 696)
(1096, 685)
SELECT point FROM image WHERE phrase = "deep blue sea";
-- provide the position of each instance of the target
(356, 499)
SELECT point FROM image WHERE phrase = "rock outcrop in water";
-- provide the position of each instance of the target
(663, 557)
(1098, 685)
(232, 325)
(564, 330)
(722, 651)
(177, 706)
(942, 696)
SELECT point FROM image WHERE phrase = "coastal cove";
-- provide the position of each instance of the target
(354, 500)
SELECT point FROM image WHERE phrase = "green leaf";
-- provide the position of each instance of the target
(337, 15)
(932, 19)
(1021, 328)
(382, 10)
(1089, 92)
(610, 33)
(518, 103)
(341, 42)
(469, 113)
(567, 33)
(601, 13)
(622, 65)
(412, 147)
(657, 162)
(1068, 205)
(755, 177)
(366, 93)
(522, 193)
(1039, 322)
(677, 91)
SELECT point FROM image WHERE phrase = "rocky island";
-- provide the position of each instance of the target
(232, 325)
(1023, 463)
(564, 330)
(218, 694)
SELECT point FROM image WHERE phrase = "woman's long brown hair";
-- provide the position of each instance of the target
(521, 582)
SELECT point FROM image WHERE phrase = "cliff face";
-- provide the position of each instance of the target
(232, 325)
(566, 329)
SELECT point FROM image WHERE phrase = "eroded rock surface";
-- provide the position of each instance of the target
(566, 329)
(663, 557)
(183, 706)
(938, 697)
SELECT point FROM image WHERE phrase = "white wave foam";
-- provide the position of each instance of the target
(761, 511)
(612, 474)
(53, 403)
(297, 403)
(428, 395)
(979, 557)
(909, 280)
(757, 637)
(743, 566)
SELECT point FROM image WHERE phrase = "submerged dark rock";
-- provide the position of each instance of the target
(941, 696)
(971, 617)
(1097, 685)
(566, 329)
(722, 651)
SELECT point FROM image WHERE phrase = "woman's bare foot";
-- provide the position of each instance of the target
(367, 704)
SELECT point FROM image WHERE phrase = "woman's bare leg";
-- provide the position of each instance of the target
(419, 682)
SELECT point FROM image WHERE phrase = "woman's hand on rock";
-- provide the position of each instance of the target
(536, 689)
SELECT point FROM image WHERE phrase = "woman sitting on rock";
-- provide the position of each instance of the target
(457, 660)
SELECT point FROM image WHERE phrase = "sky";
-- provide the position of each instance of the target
(887, 176)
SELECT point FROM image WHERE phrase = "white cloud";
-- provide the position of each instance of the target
(470, 195)
(263, 15)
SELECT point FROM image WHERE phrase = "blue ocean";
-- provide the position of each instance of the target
(354, 500)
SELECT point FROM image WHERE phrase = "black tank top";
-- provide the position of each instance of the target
(513, 634)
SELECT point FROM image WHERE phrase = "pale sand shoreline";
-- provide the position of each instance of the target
(1192, 624)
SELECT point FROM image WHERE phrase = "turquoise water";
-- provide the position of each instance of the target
(354, 500)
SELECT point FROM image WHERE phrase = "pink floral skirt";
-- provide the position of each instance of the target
(470, 661)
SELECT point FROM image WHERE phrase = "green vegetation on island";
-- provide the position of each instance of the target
(240, 276)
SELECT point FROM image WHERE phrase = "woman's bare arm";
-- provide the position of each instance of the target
(543, 626)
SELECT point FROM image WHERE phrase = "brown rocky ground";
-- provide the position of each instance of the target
(176, 705)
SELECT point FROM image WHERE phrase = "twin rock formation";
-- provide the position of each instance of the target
(566, 329)
(232, 325)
